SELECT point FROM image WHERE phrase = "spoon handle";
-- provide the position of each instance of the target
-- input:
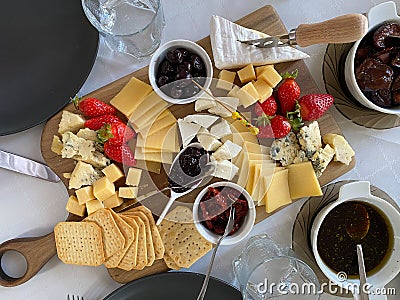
(361, 271)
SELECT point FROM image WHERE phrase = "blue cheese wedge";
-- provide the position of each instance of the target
(228, 150)
(188, 131)
(228, 53)
(96, 159)
(321, 159)
(225, 109)
(221, 129)
(343, 151)
(76, 146)
(203, 120)
(70, 122)
(84, 174)
(208, 141)
(224, 169)
(310, 138)
(285, 149)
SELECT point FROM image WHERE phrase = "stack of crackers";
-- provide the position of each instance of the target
(127, 241)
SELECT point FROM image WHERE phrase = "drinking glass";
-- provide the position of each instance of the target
(133, 27)
(265, 270)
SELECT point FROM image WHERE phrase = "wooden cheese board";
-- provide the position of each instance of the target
(38, 251)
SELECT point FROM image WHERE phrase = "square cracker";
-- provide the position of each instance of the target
(79, 243)
(113, 240)
(157, 241)
(129, 260)
(149, 239)
(183, 243)
(129, 235)
(141, 257)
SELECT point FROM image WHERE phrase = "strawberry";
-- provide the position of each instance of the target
(98, 122)
(269, 107)
(313, 106)
(116, 134)
(92, 107)
(273, 127)
(288, 92)
(120, 153)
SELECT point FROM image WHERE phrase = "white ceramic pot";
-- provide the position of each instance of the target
(378, 14)
(159, 55)
(360, 191)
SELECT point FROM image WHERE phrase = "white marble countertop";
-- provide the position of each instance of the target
(31, 207)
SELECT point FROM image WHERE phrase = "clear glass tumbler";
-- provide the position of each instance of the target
(133, 27)
(264, 270)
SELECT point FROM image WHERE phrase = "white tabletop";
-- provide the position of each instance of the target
(31, 207)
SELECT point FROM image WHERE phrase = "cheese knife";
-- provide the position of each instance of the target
(26, 166)
(343, 29)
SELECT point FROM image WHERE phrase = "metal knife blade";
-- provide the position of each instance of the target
(26, 166)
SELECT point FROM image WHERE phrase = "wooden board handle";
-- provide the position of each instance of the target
(37, 252)
(344, 29)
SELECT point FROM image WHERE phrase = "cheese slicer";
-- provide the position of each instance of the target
(343, 29)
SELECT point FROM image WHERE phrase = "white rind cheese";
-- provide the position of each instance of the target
(221, 129)
(188, 131)
(228, 53)
(203, 120)
(224, 169)
(228, 150)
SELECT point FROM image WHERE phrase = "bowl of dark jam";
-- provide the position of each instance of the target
(212, 207)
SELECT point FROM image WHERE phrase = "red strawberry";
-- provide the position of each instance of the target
(92, 107)
(116, 134)
(313, 106)
(98, 122)
(288, 92)
(268, 107)
(273, 127)
(120, 153)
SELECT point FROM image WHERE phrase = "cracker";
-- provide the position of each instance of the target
(79, 243)
(129, 260)
(182, 242)
(113, 240)
(157, 241)
(170, 262)
(141, 258)
(149, 239)
(129, 235)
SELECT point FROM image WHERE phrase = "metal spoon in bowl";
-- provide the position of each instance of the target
(228, 229)
(362, 272)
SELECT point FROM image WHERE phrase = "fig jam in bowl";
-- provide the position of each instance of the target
(173, 67)
(372, 68)
(212, 207)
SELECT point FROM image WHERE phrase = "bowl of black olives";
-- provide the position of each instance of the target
(177, 69)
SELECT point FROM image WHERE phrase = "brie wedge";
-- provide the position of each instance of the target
(208, 141)
(203, 120)
(228, 53)
(228, 150)
(221, 129)
(188, 131)
(219, 110)
(224, 169)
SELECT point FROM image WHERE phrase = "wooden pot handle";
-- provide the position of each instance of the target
(37, 252)
(344, 29)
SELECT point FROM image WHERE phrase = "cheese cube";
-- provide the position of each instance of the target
(248, 95)
(228, 150)
(93, 206)
(233, 91)
(103, 189)
(113, 201)
(247, 74)
(74, 207)
(263, 89)
(259, 70)
(131, 96)
(220, 129)
(128, 192)
(278, 193)
(302, 180)
(85, 194)
(133, 177)
(56, 145)
(113, 173)
(343, 151)
(70, 122)
(225, 80)
(271, 76)
(208, 141)
(224, 169)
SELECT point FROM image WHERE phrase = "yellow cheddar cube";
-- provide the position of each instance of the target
(113, 172)
(247, 74)
(74, 207)
(133, 177)
(248, 95)
(278, 193)
(113, 201)
(103, 189)
(259, 70)
(271, 76)
(85, 194)
(302, 181)
(233, 91)
(263, 89)
(225, 80)
(131, 96)
(128, 192)
(93, 206)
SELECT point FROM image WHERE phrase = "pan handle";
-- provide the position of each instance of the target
(37, 252)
